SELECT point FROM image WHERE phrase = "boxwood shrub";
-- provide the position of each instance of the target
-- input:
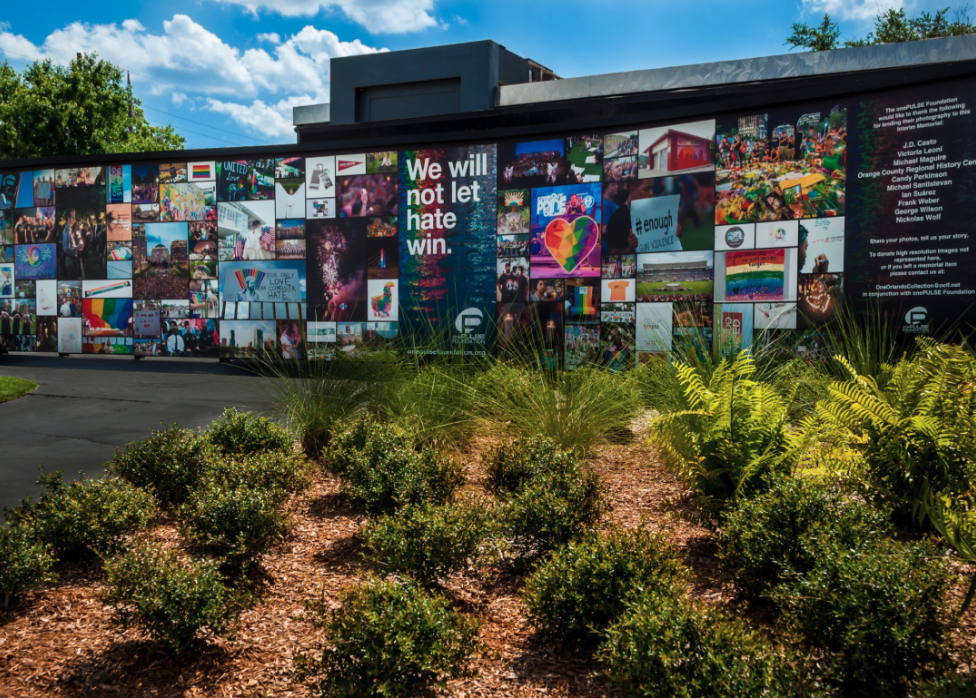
(243, 433)
(512, 465)
(25, 562)
(169, 463)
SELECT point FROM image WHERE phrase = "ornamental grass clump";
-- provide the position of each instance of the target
(388, 638)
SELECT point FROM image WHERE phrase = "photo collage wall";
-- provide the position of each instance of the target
(612, 248)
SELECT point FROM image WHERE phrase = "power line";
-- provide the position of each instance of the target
(196, 133)
(200, 123)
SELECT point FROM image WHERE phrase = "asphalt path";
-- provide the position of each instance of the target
(86, 407)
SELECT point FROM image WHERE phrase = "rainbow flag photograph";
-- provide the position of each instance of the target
(755, 275)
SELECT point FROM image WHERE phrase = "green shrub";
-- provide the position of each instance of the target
(428, 541)
(382, 470)
(582, 587)
(169, 463)
(279, 471)
(732, 434)
(510, 465)
(90, 515)
(242, 433)
(390, 639)
(913, 427)
(239, 524)
(553, 509)
(880, 611)
(169, 599)
(25, 562)
(665, 646)
(773, 536)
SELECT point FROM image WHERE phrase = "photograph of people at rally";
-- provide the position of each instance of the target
(367, 195)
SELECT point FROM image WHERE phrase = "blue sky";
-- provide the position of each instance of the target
(227, 72)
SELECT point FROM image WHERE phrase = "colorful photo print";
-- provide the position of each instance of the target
(291, 339)
(7, 254)
(382, 162)
(821, 246)
(781, 166)
(107, 345)
(777, 234)
(736, 237)
(44, 187)
(619, 290)
(8, 190)
(619, 145)
(6, 227)
(69, 298)
(384, 300)
(34, 225)
(675, 276)
(107, 317)
(320, 208)
(382, 258)
(145, 213)
(337, 259)
(203, 230)
(755, 275)
(23, 343)
(367, 195)
(382, 227)
(821, 298)
(46, 292)
(118, 222)
(582, 345)
(36, 261)
(18, 316)
(566, 231)
(24, 195)
(187, 337)
(532, 164)
(145, 184)
(82, 234)
(512, 284)
(667, 214)
(379, 338)
(203, 250)
(320, 177)
(69, 334)
(160, 261)
(514, 212)
(146, 323)
(582, 298)
(80, 177)
(246, 231)
(47, 334)
(679, 149)
(7, 280)
(775, 316)
(245, 180)
(618, 329)
(106, 289)
(585, 159)
(204, 298)
(545, 290)
(174, 310)
(692, 318)
(290, 249)
(514, 245)
(118, 189)
(201, 270)
(733, 325)
(547, 333)
(262, 282)
(184, 202)
(248, 338)
(321, 340)
(289, 187)
(350, 164)
(349, 338)
(514, 322)
(25, 288)
(654, 327)
(172, 173)
(619, 266)
(620, 169)
(201, 171)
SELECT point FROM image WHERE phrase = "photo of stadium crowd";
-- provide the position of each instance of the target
(598, 237)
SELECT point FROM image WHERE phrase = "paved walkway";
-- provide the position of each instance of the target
(85, 407)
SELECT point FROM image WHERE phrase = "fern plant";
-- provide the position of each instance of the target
(912, 427)
(732, 434)
(956, 521)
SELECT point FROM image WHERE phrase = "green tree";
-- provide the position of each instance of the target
(80, 109)
(890, 27)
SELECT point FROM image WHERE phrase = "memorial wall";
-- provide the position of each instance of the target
(610, 247)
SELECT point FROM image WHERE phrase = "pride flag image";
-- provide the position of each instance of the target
(107, 317)
(755, 275)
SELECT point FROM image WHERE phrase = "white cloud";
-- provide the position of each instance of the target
(266, 83)
(377, 16)
(857, 10)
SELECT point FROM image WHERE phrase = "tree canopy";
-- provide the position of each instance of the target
(83, 108)
(890, 26)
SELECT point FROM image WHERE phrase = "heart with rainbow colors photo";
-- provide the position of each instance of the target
(571, 242)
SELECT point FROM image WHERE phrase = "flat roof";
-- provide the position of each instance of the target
(747, 70)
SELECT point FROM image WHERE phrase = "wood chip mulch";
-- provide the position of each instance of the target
(59, 641)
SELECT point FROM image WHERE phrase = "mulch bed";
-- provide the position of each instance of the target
(60, 641)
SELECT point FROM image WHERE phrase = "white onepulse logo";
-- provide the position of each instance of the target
(916, 320)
